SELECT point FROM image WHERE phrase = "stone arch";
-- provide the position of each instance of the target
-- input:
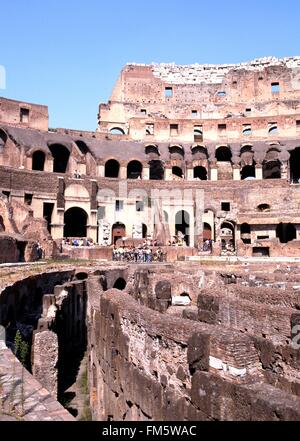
(38, 160)
(177, 171)
(75, 220)
(3, 138)
(176, 152)
(134, 169)
(82, 146)
(182, 225)
(152, 151)
(120, 284)
(200, 173)
(116, 131)
(118, 231)
(227, 235)
(61, 156)
(77, 191)
(157, 170)
(199, 152)
(223, 154)
(112, 168)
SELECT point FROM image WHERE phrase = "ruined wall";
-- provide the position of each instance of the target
(141, 369)
(35, 117)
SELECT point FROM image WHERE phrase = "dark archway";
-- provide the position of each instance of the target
(207, 232)
(248, 172)
(75, 220)
(246, 233)
(228, 236)
(81, 276)
(38, 160)
(200, 173)
(286, 232)
(117, 131)
(82, 147)
(223, 154)
(182, 225)
(144, 231)
(134, 170)
(295, 166)
(61, 156)
(118, 231)
(272, 169)
(120, 284)
(177, 171)
(157, 170)
(112, 168)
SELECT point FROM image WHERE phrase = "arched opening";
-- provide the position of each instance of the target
(117, 131)
(227, 236)
(295, 166)
(177, 171)
(248, 172)
(134, 170)
(81, 276)
(144, 231)
(264, 207)
(38, 160)
(3, 139)
(273, 130)
(207, 232)
(112, 168)
(176, 152)
(223, 154)
(246, 233)
(182, 226)
(272, 169)
(2, 226)
(60, 157)
(118, 231)
(286, 232)
(152, 151)
(199, 152)
(198, 135)
(200, 173)
(82, 147)
(75, 220)
(120, 284)
(157, 170)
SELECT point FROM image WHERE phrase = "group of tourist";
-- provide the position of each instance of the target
(139, 254)
(77, 242)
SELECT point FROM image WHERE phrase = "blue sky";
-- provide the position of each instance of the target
(68, 54)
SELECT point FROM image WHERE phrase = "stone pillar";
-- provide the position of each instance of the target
(213, 173)
(168, 174)
(284, 170)
(258, 171)
(123, 172)
(45, 357)
(236, 172)
(190, 174)
(146, 173)
(48, 166)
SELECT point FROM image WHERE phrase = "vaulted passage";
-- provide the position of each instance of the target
(134, 170)
(112, 168)
(120, 284)
(118, 231)
(60, 157)
(38, 160)
(75, 220)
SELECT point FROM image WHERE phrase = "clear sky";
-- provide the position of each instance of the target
(68, 53)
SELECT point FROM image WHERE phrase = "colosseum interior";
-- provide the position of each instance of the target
(151, 268)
